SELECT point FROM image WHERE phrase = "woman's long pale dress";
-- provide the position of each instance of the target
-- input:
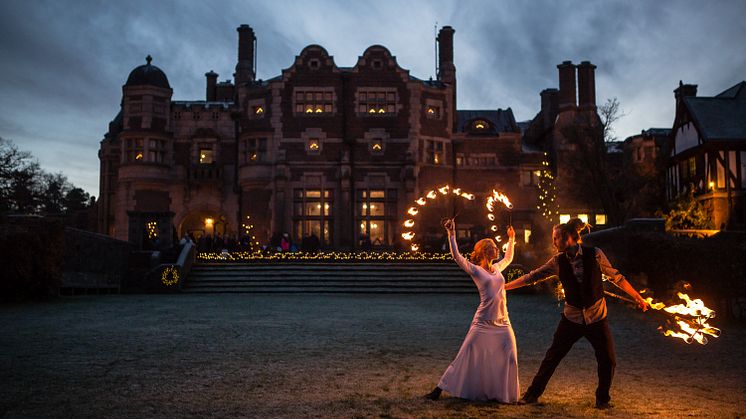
(486, 367)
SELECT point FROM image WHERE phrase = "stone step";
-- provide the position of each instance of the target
(326, 290)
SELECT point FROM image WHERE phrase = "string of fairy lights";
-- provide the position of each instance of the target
(421, 202)
(170, 276)
(152, 229)
(548, 204)
(322, 256)
(248, 230)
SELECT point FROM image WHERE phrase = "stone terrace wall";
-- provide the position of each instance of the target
(94, 261)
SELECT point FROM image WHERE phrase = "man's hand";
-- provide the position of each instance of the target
(642, 304)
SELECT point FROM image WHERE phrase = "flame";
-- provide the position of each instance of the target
(505, 248)
(457, 191)
(444, 190)
(498, 238)
(408, 235)
(695, 326)
(412, 211)
(431, 195)
(493, 228)
(421, 201)
(501, 197)
(469, 196)
(491, 217)
(409, 223)
(415, 247)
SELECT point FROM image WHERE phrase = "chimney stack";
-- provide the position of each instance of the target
(549, 106)
(446, 67)
(566, 86)
(586, 86)
(683, 91)
(212, 81)
(245, 70)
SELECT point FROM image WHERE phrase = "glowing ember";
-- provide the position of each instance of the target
(491, 217)
(409, 223)
(415, 247)
(431, 195)
(413, 211)
(421, 201)
(444, 190)
(408, 235)
(468, 196)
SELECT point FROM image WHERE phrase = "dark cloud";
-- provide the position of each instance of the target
(64, 62)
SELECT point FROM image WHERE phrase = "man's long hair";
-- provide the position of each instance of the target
(573, 228)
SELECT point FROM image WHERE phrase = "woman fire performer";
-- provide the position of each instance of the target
(486, 366)
(580, 270)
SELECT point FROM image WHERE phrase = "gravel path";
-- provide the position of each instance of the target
(330, 356)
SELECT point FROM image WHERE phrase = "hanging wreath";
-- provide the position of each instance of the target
(170, 276)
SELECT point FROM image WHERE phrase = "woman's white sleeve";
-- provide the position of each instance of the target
(508, 258)
(460, 260)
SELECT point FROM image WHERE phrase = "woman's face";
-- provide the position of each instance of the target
(490, 252)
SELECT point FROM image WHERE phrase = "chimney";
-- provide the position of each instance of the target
(566, 86)
(683, 91)
(549, 106)
(245, 70)
(446, 68)
(212, 81)
(587, 86)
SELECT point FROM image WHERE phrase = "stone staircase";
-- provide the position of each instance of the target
(446, 278)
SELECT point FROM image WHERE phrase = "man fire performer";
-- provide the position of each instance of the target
(580, 270)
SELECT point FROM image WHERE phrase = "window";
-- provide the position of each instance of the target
(134, 150)
(256, 150)
(195, 116)
(530, 177)
(376, 146)
(583, 218)
(257, 111)
(159, 108)
(312, 214)
(433, 112)
(206, 156)
(480, 125)
(314, 101)
(156, 150)
(373, 205)
(376, 102)
(377, 64)
(216, 116)
(460, 160)
(177, 115)
(434, 152)
(600, 219)
(314, 64)
(313, 146)
(564, 218)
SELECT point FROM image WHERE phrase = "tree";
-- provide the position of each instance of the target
(26, 189)
(597, 181)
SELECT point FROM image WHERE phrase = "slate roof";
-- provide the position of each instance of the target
(501, 120)
(722, 117)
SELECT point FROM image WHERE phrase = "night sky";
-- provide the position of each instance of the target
(64, 62)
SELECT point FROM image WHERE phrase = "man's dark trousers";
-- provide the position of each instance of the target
(567, 333)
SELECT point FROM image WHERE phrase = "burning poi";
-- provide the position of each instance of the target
(421, 202)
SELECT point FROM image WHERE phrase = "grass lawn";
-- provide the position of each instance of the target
(331, 356)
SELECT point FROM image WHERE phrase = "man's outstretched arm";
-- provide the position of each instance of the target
(545, 271)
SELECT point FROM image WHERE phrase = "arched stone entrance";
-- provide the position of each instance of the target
(198, 223)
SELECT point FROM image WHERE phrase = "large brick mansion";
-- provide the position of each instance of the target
(340, 152)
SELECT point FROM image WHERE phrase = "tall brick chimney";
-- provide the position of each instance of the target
(212, 81)
(586, 86)
(446, 67)
(549, 106)
(566, 86)
(245, 70)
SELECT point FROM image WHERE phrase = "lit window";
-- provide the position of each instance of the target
(435, 152)
(138, 156)
(317, 102)
(564, 218)
(600, 219)
(376, 146)
(206, 156)
(379, 102)
(314, 145)
(526, 235)
(256, 149)
(433, 112)
(480, 125)
(258, 110)
(583, 218)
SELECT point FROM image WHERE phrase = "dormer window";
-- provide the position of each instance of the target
(433, 112)
(377, 64)
(480, 125)
(314, 64)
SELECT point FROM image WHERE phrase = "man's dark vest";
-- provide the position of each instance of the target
(591, 290)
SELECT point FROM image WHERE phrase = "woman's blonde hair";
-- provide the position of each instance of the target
(480, 250)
